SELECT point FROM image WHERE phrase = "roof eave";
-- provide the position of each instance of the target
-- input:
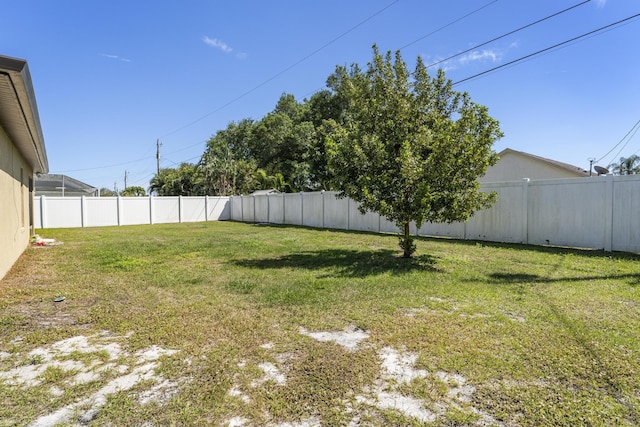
(19, 112)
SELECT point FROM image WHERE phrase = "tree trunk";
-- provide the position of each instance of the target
(407, 241)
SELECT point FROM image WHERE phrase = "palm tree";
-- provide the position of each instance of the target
(626, 166)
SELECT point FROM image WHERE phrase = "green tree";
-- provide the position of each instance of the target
(409, 147)
(186, 180)
(260, 180)
(227, 164)
(133, 191)
(626, 166)
(105, 192)
(280, 145)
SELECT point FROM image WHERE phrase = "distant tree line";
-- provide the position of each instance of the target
(131, 191)
(283, 150)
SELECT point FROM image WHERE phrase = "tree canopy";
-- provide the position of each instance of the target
(182, 181)
(408, 146)
(133, 191)
(403, 144)
(626, 166)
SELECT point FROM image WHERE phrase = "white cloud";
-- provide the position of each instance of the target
(461, 60)
(116, 57)
(218, 44)
(482, 55)
(601, 3)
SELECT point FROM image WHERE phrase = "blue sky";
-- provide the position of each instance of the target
(113, 77)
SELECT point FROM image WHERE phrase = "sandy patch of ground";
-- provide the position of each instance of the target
(91, 358)
(349, 338)
(397, 369)
(101, 358)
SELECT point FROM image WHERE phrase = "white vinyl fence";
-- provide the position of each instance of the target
(69, 212)
(598, 212)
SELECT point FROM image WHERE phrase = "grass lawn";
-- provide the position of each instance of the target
(225, 323)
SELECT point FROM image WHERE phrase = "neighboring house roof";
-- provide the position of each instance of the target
(515, 165)
(19, 113)
(62, 185)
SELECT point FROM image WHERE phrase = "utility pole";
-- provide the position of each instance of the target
(158, 144)
(591, 160)
(125, 179)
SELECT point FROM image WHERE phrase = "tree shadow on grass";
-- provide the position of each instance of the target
(518, 278)
(346, 262)
(545, 249)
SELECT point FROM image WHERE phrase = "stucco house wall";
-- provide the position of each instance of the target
(22, 154)
(516, 165)
(14, 209)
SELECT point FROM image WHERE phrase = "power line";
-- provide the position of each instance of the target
(313, 53)
(449, 24)
(353, 28)
(508, 34)
(545, 50)
(636, 127)
(104, 167)
(283, 71)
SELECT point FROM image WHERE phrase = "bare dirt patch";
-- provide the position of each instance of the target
(390, 392)
(87, 359)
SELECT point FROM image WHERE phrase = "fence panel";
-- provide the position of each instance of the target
(101, 211)
(276, 208)
(336, 211)
(261, 208)
(625, 231)
(166, 210)
(63, 212)
(387, 226)
(37, 212)
(567, 215)
(369, 221)
(248, 208)
(135, 210)
(504, 222)
(218, 208)
(313, 209)
(293, 208)
(455, 230)
(193, 209)
(236, 208)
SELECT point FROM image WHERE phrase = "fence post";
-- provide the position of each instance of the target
(268, 210)
(525, 210)
(301, 208)
(179, 208)
(608, 214)
(83, 211)
(43, 212)
(206, 208)
(322, 193)
(348, 212)
(150, 209)
(119, 209)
